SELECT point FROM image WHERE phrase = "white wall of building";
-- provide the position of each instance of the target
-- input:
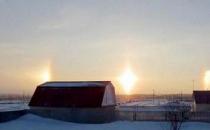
(109, 96)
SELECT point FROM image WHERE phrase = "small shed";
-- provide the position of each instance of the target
(79, 101)
(201, 100)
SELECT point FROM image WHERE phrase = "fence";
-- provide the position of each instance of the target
(200, 116)
(160, 116)
(141, 115)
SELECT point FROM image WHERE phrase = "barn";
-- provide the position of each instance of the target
(80, 101)
(201, 100)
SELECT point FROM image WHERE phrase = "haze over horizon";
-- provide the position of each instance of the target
(164, 43)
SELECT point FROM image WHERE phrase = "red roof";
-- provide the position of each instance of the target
(202, 97)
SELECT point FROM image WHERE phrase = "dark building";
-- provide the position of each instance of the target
(84, 101)
(201, 100)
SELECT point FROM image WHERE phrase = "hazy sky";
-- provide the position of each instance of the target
(165, 42)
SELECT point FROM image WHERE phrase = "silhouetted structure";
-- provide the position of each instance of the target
(84, 101)
(201, 100)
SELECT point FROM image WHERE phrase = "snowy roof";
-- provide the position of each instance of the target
(75, 84)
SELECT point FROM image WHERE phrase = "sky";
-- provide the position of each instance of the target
(165, 43)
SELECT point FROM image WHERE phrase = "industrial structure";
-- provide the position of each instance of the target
(80, 101)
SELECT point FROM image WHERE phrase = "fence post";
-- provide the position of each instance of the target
(135, 112)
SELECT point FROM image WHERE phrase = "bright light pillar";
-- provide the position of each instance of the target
(207, 80)
(127, 80)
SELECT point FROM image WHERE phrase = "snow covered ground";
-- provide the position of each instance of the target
(156, 102)
(146, 103)
(32, 122)
(8, 105)
(149, 105)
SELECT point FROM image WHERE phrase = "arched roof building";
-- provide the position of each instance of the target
(78, 101)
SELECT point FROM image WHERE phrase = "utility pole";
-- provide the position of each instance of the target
(193, 84)
(181, 95)
(153, 96)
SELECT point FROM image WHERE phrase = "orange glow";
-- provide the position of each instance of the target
(127, 80)
(207, 80)
(46, 76)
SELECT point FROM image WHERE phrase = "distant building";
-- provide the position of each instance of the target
(83, 102)
(201, 100)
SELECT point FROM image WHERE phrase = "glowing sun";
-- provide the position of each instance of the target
(127, 80)
(207, 80)
(45, 76)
